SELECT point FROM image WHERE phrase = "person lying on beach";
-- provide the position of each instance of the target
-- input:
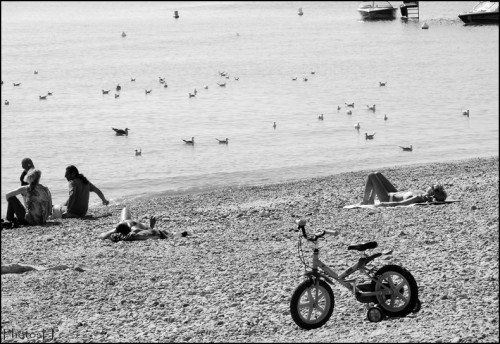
(378, 185)
(130, 230)
(37, 199)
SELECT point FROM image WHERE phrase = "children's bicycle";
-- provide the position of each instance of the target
(391, 291)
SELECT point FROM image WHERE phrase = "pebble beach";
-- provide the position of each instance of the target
(232, 279)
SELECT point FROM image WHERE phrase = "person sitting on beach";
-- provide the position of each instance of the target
(37, 199)
(79, 193)
(378, 185)
(27, 165)
(130, 230)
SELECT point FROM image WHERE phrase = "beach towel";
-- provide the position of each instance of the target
(372, 206)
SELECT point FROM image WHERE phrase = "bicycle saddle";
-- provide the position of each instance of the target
(361, 247)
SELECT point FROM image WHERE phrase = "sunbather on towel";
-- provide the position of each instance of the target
(378, 185)
(130, 230)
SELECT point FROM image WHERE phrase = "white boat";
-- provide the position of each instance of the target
(485, 12)
(374, 10)
(300, 11)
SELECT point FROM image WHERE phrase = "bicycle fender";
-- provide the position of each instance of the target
(311, 274)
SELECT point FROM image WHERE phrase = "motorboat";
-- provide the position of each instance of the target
(484, 12)
(374, 10)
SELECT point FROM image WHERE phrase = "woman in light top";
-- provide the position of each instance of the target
(37, 199)
(378, 185)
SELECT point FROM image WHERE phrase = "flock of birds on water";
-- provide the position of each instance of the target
(124, 132)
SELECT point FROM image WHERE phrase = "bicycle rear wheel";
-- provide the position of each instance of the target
(404, 290)
(311, 306)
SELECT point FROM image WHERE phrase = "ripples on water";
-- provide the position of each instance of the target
(432, 76)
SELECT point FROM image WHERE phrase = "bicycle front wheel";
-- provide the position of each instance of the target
(312, 305)
(404, 290)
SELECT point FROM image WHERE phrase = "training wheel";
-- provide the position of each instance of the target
(374, 314)
(417, 307)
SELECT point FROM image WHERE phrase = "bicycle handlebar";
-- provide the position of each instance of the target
(313, 237)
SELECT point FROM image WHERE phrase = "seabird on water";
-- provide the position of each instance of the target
(189, 142)
(121, 132)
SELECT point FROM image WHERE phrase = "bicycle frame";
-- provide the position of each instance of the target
(341, 279)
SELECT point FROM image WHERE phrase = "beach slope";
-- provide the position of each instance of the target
(232, 280)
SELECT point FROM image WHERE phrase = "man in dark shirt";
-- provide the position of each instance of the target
(79, 192)
(27, 165)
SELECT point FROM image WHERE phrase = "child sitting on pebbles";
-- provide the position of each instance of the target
(130, 230)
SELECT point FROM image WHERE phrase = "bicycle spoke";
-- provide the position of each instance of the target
(390, 281)
(309, 313)
(304, 305)
(393, 300)
(401, 296)
(309, 295)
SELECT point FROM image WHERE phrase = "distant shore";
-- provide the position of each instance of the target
(233, 279)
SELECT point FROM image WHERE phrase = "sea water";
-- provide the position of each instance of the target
(78, 50)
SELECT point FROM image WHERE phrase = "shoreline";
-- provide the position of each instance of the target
(95, 202)
(207, 189)
(233, 279)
